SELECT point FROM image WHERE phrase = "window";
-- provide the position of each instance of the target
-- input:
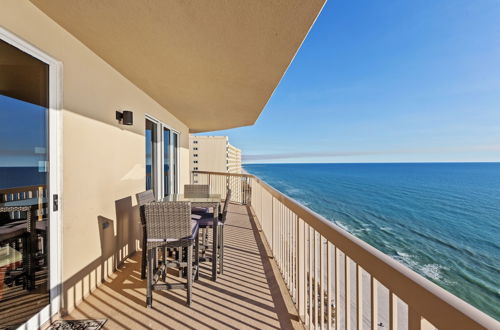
(195, 168)
(195, 142)
(195, 155)
(196, 162)
(195, 148)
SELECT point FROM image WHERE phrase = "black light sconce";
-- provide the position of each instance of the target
(125, 117)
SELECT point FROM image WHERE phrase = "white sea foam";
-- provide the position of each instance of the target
(432, 271)
(343, 226)
(293, 191)
(303, 202)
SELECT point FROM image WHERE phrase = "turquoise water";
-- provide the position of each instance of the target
(440, 219)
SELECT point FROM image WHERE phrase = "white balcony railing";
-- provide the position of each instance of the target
(336, 280)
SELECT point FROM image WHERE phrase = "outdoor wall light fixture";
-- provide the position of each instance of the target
(125, 117)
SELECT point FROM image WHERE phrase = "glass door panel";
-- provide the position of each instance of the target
(175, 162)
(161, 158)
(166, 162)
(151, 157)
(24, 240)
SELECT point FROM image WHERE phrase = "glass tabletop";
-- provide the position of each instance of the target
(211, 198)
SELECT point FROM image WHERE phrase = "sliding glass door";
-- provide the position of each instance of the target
(167, 173)
(151, 155)
(161, 158)
(28, 224)
(175, 162)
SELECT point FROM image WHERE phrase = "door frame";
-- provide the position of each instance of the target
(54, 180)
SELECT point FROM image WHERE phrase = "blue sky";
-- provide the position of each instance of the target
(23, 134)
(387, 81)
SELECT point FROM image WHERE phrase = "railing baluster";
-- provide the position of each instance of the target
(337, 291)
(281, 240)
(296, 256)
(273, 220)
(311, 268)
(347, 292)
(374, 303)
(359, 297)
(283, 243)
(290, 239)
(290, 250)
(329, 283)
(315, 272)
(301, 266)
(322, 282)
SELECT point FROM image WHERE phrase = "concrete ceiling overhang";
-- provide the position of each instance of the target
(213, 64)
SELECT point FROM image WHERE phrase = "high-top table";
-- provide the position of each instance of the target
(208, 201)
(19, 227)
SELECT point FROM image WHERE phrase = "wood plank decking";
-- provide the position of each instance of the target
(249, 295)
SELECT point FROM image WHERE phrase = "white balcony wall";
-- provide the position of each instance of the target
(103, 161)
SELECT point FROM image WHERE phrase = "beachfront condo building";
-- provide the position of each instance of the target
(213, 153)
(98, 100)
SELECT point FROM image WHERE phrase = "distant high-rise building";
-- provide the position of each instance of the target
(213, 153)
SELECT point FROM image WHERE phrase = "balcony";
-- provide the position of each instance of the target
(287, 267)
(250, 293)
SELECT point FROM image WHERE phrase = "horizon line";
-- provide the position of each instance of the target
(375, 162)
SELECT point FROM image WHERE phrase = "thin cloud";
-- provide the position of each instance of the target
(332, 154)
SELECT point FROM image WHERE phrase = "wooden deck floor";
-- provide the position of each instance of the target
(247, 295)
(17, 305)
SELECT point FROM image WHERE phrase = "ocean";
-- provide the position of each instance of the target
(440, 219)
(11, 177)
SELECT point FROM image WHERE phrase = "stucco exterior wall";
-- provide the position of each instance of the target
(103, 161)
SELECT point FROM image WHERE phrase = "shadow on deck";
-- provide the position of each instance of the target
(248, 295)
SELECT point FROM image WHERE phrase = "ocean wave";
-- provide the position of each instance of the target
(430, 271)
(343, 226)
(303, 202)
(293, 191)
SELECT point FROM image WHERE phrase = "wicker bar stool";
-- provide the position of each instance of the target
(197, 190)
(206, 220)
(144, 198)
(169, 225)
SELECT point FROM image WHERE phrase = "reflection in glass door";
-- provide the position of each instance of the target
(24, 216)
(151, 158)
(175, 162)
